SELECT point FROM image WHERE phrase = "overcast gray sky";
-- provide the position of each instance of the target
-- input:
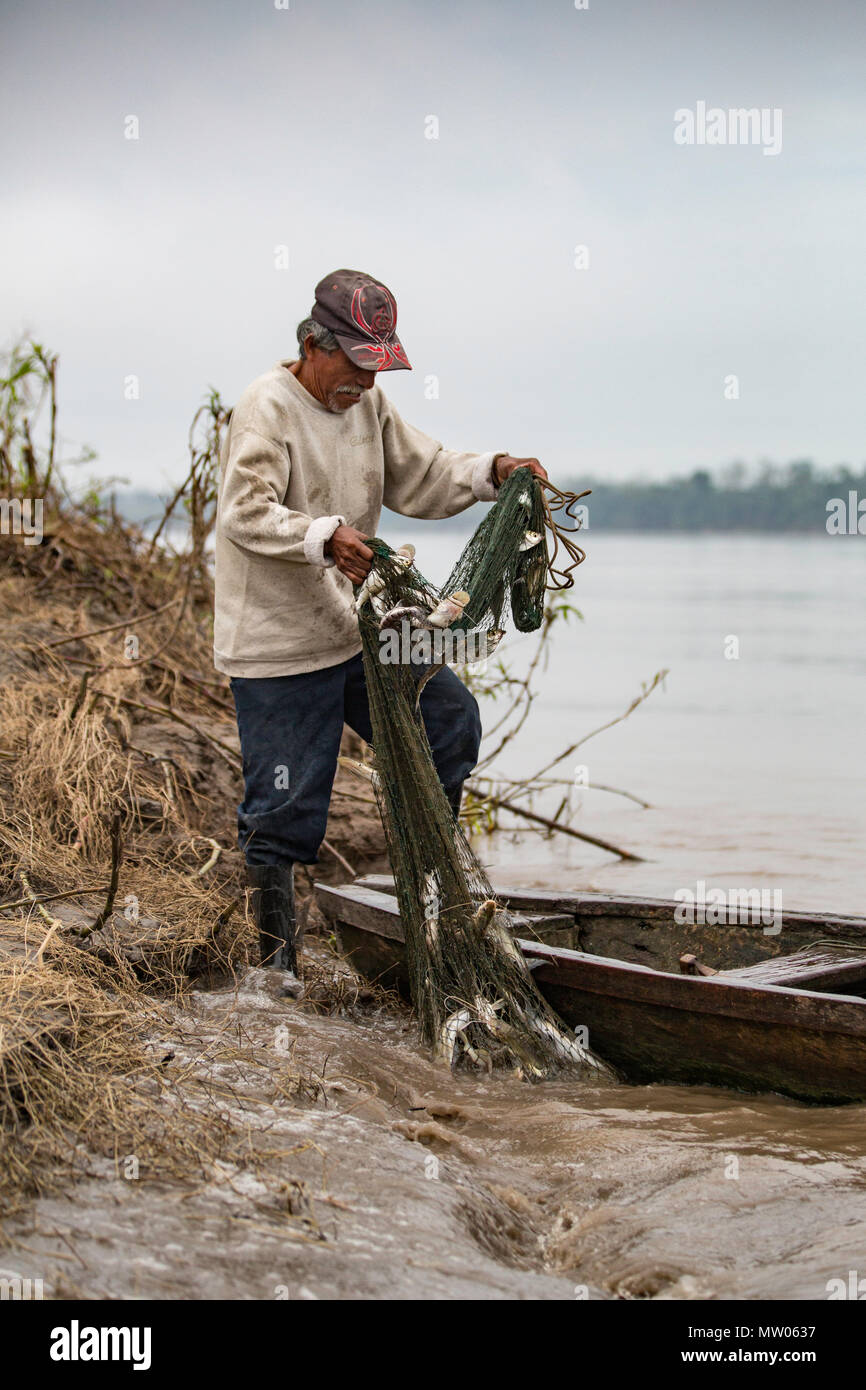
(305, 127)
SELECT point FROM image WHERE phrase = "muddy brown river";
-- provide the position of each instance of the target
(401, 1181)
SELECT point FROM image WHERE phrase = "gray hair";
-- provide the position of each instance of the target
(322, 337)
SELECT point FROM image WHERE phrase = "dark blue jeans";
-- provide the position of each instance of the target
(290, 729)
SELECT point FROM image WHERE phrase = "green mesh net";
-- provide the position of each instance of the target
(474, 995)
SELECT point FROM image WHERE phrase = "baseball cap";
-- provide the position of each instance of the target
(362, 315)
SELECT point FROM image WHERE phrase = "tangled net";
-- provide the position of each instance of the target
(472, 990)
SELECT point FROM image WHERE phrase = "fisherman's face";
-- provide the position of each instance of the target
(335, 379)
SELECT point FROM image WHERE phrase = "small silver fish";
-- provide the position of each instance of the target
(375, 583)
(566, 1048)
(416, 617)
(450, 1032)
(482, 918)
(372, 585)
(449, 609)
(430, 903)
(404, 555)
(531, 540)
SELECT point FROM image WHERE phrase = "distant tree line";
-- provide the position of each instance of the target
(795, 497)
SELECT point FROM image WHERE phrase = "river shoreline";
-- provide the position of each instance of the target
(396, 1180)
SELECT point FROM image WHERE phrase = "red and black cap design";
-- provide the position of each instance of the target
(362, 315)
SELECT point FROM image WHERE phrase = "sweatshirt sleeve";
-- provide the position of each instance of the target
(424, 479)
(251, 514)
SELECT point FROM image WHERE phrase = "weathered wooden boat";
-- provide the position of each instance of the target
(731, 1004)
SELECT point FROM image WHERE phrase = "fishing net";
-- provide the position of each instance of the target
(473, 992)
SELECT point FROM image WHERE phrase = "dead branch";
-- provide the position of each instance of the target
(326, 844)
(35, 900)
(564, 829)
(116, 857)
(112, 627)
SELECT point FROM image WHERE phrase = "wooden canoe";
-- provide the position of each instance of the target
(782, 1012)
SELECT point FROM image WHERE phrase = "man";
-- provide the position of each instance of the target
(313, 452)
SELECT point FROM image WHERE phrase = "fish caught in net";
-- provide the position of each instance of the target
(473, 993)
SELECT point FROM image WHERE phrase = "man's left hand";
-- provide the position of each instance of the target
(506, 465)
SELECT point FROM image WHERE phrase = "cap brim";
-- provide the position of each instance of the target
(375, 357)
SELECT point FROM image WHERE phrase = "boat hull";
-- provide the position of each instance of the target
(659, 1027)
(655, 1025)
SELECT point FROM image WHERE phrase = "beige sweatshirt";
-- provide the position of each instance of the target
(291, 473)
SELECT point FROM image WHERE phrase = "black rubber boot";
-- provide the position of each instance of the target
(273, 904)
(455, 798)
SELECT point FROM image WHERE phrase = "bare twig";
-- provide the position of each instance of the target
(32, 898)
(326, 844)
(647, 690)
(35, 900)
(216, 851)
(112, 627)
(536, 784)
(116, 857)
(169, 509)
(564, 829)
(79, 697)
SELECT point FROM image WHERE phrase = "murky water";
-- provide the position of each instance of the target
(418, 1184)
(753, 755)
(753, 764)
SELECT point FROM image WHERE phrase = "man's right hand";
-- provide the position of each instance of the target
(352, 557)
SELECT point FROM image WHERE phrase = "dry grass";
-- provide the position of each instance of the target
(81, 1079)
(120, 878)
(65, 777)
(331, 986)
(125, 770)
